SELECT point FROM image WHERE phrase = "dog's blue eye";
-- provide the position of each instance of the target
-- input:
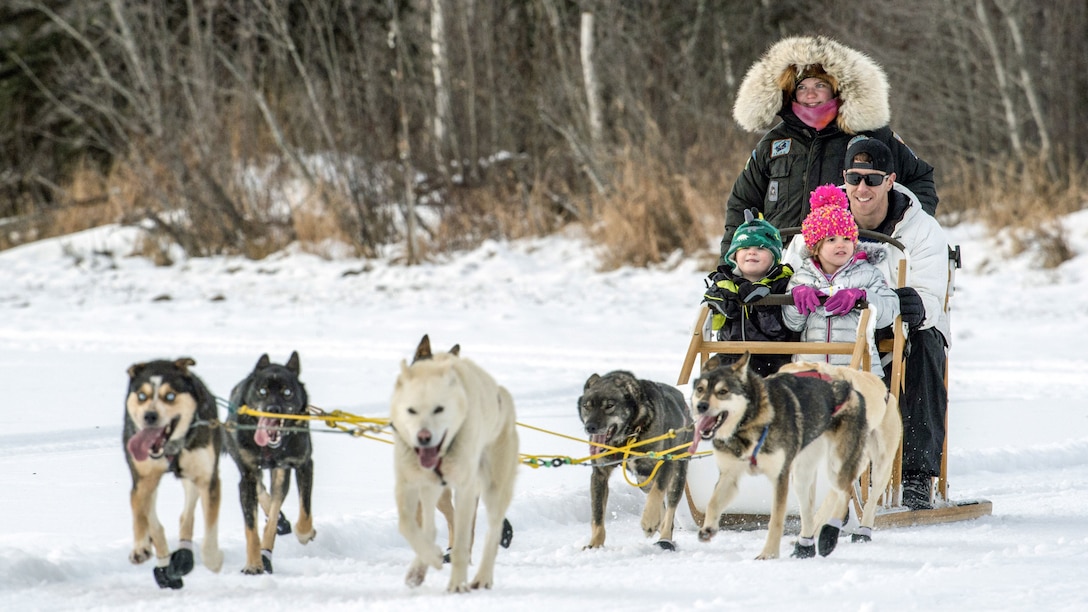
(262, 392)
(287, 393)
(141, 396)
(170, 396)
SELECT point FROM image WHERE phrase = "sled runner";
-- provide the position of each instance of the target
(890, 513)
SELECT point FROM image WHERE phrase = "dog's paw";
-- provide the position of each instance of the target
(828, 539)
(253, 570)
(416, 573)
(306, 538)
(482, 581)
(666, 545)
(507, 534)
(139, 555)
(283, 526)
(181, 563)
(165, 581)
(212, 558)
(803, 551)
(458, 586)
(707, 534)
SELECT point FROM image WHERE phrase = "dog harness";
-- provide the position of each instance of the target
(823, 377)
(759, 445)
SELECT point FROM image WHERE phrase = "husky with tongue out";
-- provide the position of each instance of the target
(171, 425)
(455, 429)
(777, 426)
(275, 442)
(618, 409)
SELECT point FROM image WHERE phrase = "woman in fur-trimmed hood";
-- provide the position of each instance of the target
(812, 95)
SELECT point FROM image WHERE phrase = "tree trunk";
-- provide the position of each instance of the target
(593, 102)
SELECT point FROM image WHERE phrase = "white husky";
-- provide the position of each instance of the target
(455, 427)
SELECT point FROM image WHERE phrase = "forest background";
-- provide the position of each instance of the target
(242, 126)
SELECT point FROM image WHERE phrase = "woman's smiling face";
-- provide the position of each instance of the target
(812, 92)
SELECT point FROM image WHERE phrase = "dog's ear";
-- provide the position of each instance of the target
(712, 364)
(135, 369)
(742, 363)
(293, 363)
(263, 362)
(592, 380)
(632, 388)
(456, 350)
(423, 351)
(184, 363)
(403, 371)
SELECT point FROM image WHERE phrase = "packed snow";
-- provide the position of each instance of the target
(75, 312)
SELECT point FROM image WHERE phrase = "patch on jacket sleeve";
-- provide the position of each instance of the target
(772, 191)
(780, 147)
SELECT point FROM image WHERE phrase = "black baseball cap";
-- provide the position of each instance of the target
(880, 153)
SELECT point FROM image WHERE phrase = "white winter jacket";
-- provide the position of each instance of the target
(819, 326)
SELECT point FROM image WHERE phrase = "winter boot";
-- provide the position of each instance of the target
(917, 491)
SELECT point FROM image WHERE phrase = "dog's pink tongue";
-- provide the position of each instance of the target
(706, 423)
(595, 443)
(140, 444)
(694, 443)
(261, 436)
(428, 456)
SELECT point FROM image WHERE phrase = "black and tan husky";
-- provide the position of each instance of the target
(171, 425)
(275, 443)
(776, 426)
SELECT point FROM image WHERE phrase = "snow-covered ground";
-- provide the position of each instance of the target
(76, 312)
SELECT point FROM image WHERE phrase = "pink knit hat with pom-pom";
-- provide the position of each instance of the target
(830, 216)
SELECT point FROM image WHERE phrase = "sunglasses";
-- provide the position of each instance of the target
(872, 180)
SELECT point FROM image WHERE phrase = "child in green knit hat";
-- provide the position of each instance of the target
(752, 270)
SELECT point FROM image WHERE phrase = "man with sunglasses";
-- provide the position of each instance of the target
(880, 204)
(808, 96)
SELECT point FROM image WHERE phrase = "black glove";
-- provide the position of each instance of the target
(748, 291)
(911, 307)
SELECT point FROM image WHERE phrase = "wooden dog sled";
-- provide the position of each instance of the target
(891, 512)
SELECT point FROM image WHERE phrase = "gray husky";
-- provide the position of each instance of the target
(618, 409)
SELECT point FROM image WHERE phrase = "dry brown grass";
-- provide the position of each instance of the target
(653, 211)
(1025, 199)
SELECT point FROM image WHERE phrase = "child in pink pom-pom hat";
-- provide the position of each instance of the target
(838, 267)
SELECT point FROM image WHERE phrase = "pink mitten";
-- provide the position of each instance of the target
(843, 300)
(805, 298)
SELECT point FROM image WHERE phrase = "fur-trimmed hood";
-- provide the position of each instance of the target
(862, 84)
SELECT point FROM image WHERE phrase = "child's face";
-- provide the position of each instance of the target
(753, 262)
(834, 252)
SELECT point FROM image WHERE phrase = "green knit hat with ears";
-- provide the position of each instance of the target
(755, 233)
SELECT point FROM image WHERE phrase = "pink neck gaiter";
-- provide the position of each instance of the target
(817, 117)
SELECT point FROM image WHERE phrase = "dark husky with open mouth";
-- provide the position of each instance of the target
(618, 409)
(276, 444)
